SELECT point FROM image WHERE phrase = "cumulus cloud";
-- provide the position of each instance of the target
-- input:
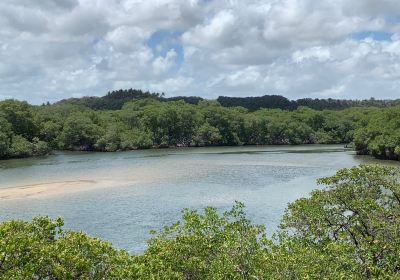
(319, 53)
(57, 49)
(162, 64)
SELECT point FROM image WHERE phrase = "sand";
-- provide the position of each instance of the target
(99, 178)
(44, 189)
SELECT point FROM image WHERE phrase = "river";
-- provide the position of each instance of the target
(121, 196)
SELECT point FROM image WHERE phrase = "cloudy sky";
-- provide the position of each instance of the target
(54, 49)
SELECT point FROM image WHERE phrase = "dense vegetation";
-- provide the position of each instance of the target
(115, 100)
(150, 121)
(349, 230)
(379, 135)
(280, 102)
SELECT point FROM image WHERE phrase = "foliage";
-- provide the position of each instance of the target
(207, 246)
(380, 135)
(21, 147)
(113, 100)
(145, 120)
(359, 212)
(42, 250)
(349, 230)
(18, 132)
(80, 131)
(280, 102)
(19, 115)
(207, 135)
(255, 103)
(6, 134)
(136, 139)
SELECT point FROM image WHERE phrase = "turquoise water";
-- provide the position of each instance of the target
(145, 190)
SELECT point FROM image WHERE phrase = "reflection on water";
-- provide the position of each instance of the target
(150, 187)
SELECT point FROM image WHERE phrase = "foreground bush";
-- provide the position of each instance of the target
(42, 250)
(353, 225)
(350, 230)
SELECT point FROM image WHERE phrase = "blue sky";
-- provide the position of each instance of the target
(162, 41)
(375, 35)
(55, 49)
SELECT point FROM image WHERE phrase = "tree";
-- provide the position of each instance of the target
(42, 250)
(379, 134)
(6, 135)
(136, 139)
(80, 132)
(21, 147)
(19, 115)
(207, 135)
(49, 131)
(207, 246)
(359, 211)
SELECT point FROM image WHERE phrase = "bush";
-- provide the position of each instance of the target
(207, 246)
(42, 250)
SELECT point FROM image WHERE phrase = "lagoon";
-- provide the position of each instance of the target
(121, 196)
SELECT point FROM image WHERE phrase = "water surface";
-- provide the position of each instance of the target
(146, 190)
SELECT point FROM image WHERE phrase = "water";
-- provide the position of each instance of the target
(139, 191)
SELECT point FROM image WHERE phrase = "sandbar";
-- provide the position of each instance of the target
(43, 189)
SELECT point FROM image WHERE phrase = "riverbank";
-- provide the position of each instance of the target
(177, 147)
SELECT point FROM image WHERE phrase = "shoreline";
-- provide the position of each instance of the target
(53, 152)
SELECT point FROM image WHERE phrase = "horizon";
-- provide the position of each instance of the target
(53, 50)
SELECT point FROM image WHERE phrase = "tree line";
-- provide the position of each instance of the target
(281, 102)
(348, 230)
(148, 122)
(115, 100)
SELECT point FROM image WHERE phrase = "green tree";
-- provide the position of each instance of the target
(42, 250)
(207, 246)
(6, 135)
(49, 130)
(136, 139)
(19, 115)
(21, 147)
(207, 135)
(80, 132)
(359, 211)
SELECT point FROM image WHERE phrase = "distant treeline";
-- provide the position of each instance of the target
(149, 120)
(114, 100)
(280, 102)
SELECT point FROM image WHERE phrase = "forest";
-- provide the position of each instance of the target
(347, 230)
(132, 119)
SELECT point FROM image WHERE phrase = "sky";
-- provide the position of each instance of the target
(55, 49)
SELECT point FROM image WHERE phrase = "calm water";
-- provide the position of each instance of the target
(150, 187)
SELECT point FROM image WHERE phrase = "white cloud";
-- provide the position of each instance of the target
(220, 29)
(176, 85)
(56, 49)
(319, 53)
(162, 64)
(127, 38)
